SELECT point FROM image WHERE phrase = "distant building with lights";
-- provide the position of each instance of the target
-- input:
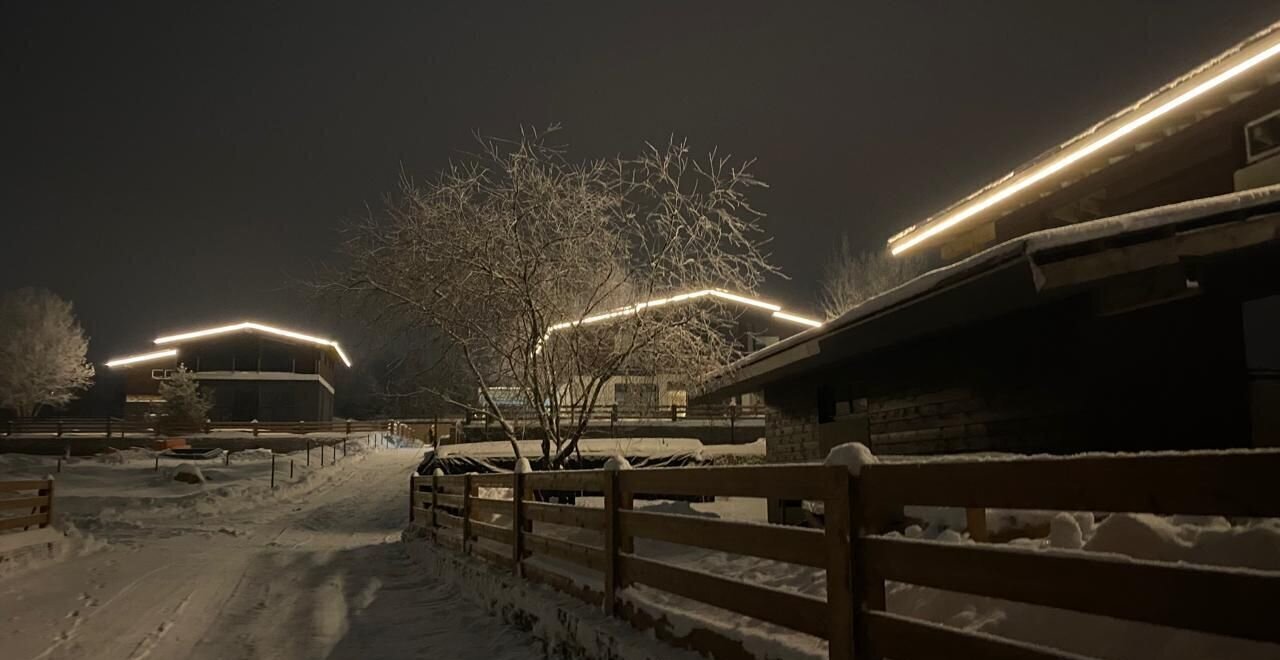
(1095, 298)
(252, 371)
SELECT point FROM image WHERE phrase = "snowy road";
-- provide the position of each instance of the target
(319, 576)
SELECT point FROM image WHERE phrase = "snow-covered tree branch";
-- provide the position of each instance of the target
(512, 256)
(850, 276)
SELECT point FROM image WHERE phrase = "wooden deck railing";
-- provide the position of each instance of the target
(858, 559)
(25, 504)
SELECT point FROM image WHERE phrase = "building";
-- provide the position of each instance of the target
(1095, 298)
(756, 324)
(253, 372)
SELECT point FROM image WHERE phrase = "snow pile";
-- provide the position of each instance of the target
(852, 455)
(617, 462)
(21, 552)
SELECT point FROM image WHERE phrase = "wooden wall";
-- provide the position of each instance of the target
(1057, 379)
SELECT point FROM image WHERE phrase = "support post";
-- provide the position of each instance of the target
(611, 538)
(466, 514)
(48, 507)
(841, 603)
(435, 488)
(868, 588)
(322, 455)
(976, 521)
(308, 453)
(108, 427)
(157, 462)
(517, 522)
(413, 496)
(273, 470)
(291, 469)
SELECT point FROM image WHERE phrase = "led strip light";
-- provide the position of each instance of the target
(144, 357)
(912, 237)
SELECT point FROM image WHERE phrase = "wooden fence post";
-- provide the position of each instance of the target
(108, 427)
(48, 507)
(517, 521)
(842, 607)
(413, 496)
(976, 521)
(611, 539)
(435, 488)
(466, 513)
(868, 589)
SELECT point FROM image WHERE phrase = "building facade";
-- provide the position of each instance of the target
(251, 371)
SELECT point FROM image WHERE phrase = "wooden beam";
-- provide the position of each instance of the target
(796, 545)
(902, 638)
(809, 482)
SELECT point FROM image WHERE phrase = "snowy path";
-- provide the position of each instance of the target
(322, 576)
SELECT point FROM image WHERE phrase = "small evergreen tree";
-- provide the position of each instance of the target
(185, 406)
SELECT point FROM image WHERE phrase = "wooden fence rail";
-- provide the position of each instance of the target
(25, 504)
(858, 558)
(109, 427)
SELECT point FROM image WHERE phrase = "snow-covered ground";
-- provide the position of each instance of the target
(229, 569)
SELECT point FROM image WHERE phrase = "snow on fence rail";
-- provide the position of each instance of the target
(25, 504)
(858, 558)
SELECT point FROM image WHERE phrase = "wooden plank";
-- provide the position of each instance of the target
(1233, 484)
(488, 505)
(1213, 600)
(448, 520)
(517, 522)
(810, 482)
(421, 514)
(24, 502)
(588, 480)
(466, 514)
(564, 514)
(498, 480)
(490, 554)
(11, 486)
(24, 521)
(562, 583)
(491, 532)
(584, 555)
(796, 545)
(452, 501)
(842, 605)
(902, 638)
(788, 609)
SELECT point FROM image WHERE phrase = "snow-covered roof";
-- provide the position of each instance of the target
(806, 344)
(243, 326)
(1224, 80)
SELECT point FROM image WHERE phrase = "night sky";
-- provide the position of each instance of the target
(167, 167)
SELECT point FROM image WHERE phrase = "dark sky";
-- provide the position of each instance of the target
(165, 167)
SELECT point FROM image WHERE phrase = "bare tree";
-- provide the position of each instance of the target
(529, 265)
(42, 351)
(851, 277)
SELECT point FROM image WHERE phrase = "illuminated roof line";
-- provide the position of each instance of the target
(258, 327)
(692, 295)
(1097, 138)
(142, 357)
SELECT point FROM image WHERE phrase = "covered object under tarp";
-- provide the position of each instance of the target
(497, 457)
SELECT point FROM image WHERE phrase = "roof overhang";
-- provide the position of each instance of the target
(1232, 76)
(1018, 274)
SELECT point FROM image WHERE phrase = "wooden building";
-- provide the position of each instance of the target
(1093, 299)
(252, 371)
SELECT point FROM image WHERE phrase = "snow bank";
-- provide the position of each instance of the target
(852, 455)
(21, 552)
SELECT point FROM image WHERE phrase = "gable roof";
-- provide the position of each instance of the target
(243, 326)
(1224, 80)
(701, 294)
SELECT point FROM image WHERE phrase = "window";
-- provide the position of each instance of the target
(1262, 136)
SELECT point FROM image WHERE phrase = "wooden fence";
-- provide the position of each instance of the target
(614, 413)
(25, 504)
(114, 427)
(858, 559)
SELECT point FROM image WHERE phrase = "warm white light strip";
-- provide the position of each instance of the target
(797, 319)
(249, 325)
(144, 357)
(912, 239)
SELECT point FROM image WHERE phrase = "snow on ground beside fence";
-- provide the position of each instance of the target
(1252, 544)
(124, 489)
